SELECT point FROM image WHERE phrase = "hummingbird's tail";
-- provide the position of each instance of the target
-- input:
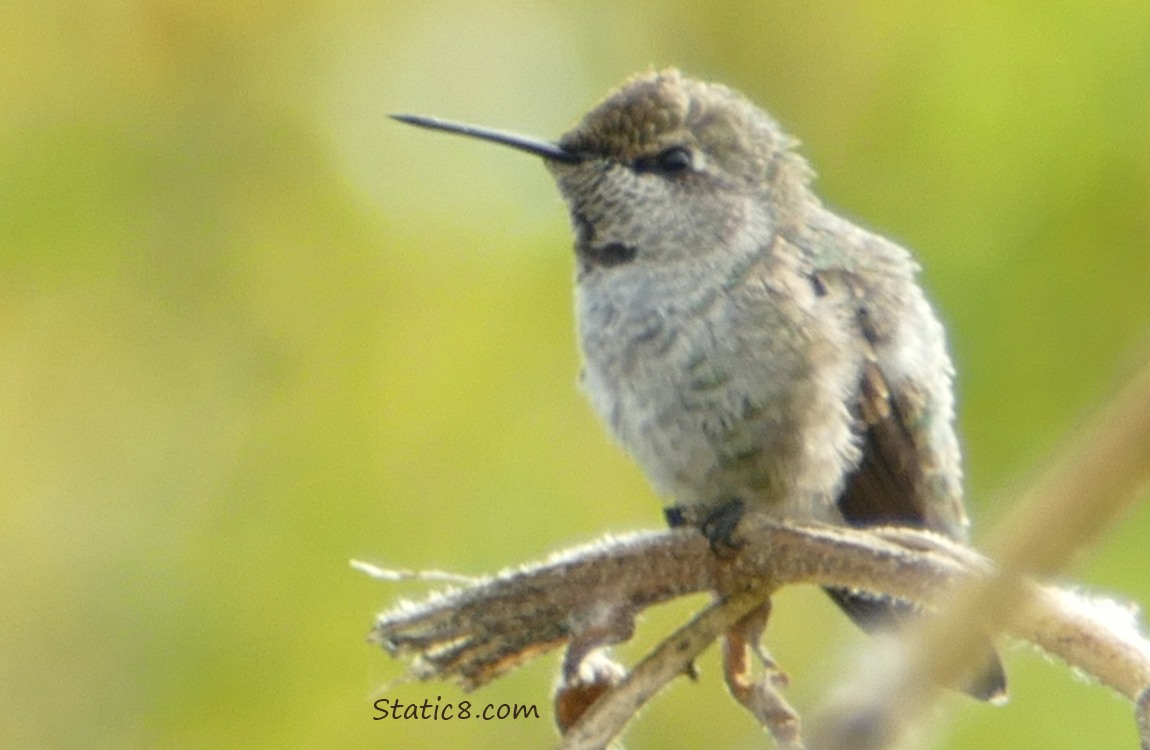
(875, 614)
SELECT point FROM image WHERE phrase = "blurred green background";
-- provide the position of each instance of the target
(250, 328)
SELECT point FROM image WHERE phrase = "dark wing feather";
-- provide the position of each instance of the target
(888, 487)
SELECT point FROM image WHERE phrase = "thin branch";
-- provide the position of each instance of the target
(762, 695)
(391, 575)
(607, 717)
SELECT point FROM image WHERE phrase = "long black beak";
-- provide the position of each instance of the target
(546, 149)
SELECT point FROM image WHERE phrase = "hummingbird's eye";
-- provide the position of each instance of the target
(671, 160)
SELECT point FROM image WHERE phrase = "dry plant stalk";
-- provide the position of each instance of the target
(1142, 714)
(589, 596)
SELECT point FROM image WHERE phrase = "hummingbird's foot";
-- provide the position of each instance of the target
(719, 524)
(676, 516)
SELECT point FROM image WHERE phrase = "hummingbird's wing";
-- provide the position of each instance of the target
(887, 487)
(909, 473)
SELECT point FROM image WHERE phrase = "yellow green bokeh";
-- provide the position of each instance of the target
(250, 328)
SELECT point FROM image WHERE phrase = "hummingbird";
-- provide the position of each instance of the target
(752, 350)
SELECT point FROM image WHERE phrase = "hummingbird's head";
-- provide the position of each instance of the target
(667, 168)
(667, 124)
(672, 168)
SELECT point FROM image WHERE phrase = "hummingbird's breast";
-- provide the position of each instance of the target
(721, 386)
